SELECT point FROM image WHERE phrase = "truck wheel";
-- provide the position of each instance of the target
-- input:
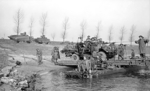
(18, 41)
(75, 57)
(29, 42)
(103, 55)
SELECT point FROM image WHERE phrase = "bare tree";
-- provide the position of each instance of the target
(148, 37)
(131, 39)
(65, 27)
(110, 33)
(31, 26)
(18, 19)
(83, 27)
(43, 22)
(122, 31)
(53, 35)
(98, 29)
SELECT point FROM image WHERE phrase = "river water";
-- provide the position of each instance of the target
(56, 81)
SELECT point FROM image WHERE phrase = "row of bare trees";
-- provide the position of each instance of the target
(65, 27)
(31, 26)
(43, 22)
(110, 34)
(18, 19)
(83, 26)
(148, 37)
(19, 16)
(122, 34)
(98, 29)
(131, 38)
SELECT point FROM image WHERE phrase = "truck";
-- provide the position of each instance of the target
(92, 48)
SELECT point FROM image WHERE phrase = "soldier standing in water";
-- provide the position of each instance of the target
(88, 63)
(39, 56)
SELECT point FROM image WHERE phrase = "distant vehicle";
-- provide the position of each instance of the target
(89, 48)
(42, 40)
(21, 38)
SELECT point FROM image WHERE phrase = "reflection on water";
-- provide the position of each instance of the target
(55, 81)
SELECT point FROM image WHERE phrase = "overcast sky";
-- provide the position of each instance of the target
(117, 13)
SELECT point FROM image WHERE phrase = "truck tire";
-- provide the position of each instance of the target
(103, 55)
(75, 57)
(18, 41)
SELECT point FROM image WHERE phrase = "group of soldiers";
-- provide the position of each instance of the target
(121, 48)
(142, 47)
(55, 55)
(90, 62)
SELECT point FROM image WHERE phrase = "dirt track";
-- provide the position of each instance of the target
(25, 53)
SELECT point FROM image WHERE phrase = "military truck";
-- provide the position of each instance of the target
(21, 38)
(42, 40)
(93, 47)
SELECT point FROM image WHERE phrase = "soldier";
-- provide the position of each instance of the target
(39, 56)
(81, 66)
(142, 45)
(55, 55)
(79, 63)
(93, 62)
(102, 62)
(121, 52)
(113, 48)
(88, 63)
(88, 38)
(132, 54)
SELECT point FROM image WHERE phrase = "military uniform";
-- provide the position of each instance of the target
(39, 56)
(55, 55)
(132, 54)
(93, 62)
(88, 38)
(113, 49)
(121, 52)
(81, 65)
(142, 46)
(88, 62)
